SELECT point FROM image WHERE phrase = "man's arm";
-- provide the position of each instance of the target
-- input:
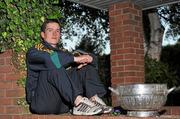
(38, 60)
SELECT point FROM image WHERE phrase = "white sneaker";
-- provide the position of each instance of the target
(86, 107)
(99, 102)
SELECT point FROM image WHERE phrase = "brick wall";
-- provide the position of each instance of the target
(126, 40)
(10, 92)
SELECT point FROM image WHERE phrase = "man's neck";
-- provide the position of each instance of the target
(50, 45)
(53, 45)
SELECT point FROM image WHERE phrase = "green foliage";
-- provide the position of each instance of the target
(23, 103)
(21, 22)
(21, 82)
(171, 56)
(3, 24)
(158, 72)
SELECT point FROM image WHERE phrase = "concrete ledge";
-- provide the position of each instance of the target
(32, 116)
(171, 110)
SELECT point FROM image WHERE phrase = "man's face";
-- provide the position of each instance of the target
(52, 33)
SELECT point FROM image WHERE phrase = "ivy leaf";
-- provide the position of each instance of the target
(4, 34)
(8, 1)
(42, 18)
(30, 32)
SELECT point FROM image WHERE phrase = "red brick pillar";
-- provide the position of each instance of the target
(126, 40)
(10, 92)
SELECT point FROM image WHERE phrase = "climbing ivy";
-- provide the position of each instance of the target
(21, 21)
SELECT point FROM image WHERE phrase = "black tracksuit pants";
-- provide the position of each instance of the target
(57, 89)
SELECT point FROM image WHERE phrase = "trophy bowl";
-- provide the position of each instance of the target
(142, 100)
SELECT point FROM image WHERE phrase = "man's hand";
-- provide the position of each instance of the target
(81, 65)
(83, 59)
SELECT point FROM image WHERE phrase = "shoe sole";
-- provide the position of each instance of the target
(88, 114)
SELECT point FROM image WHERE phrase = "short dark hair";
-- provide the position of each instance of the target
(47, 21)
